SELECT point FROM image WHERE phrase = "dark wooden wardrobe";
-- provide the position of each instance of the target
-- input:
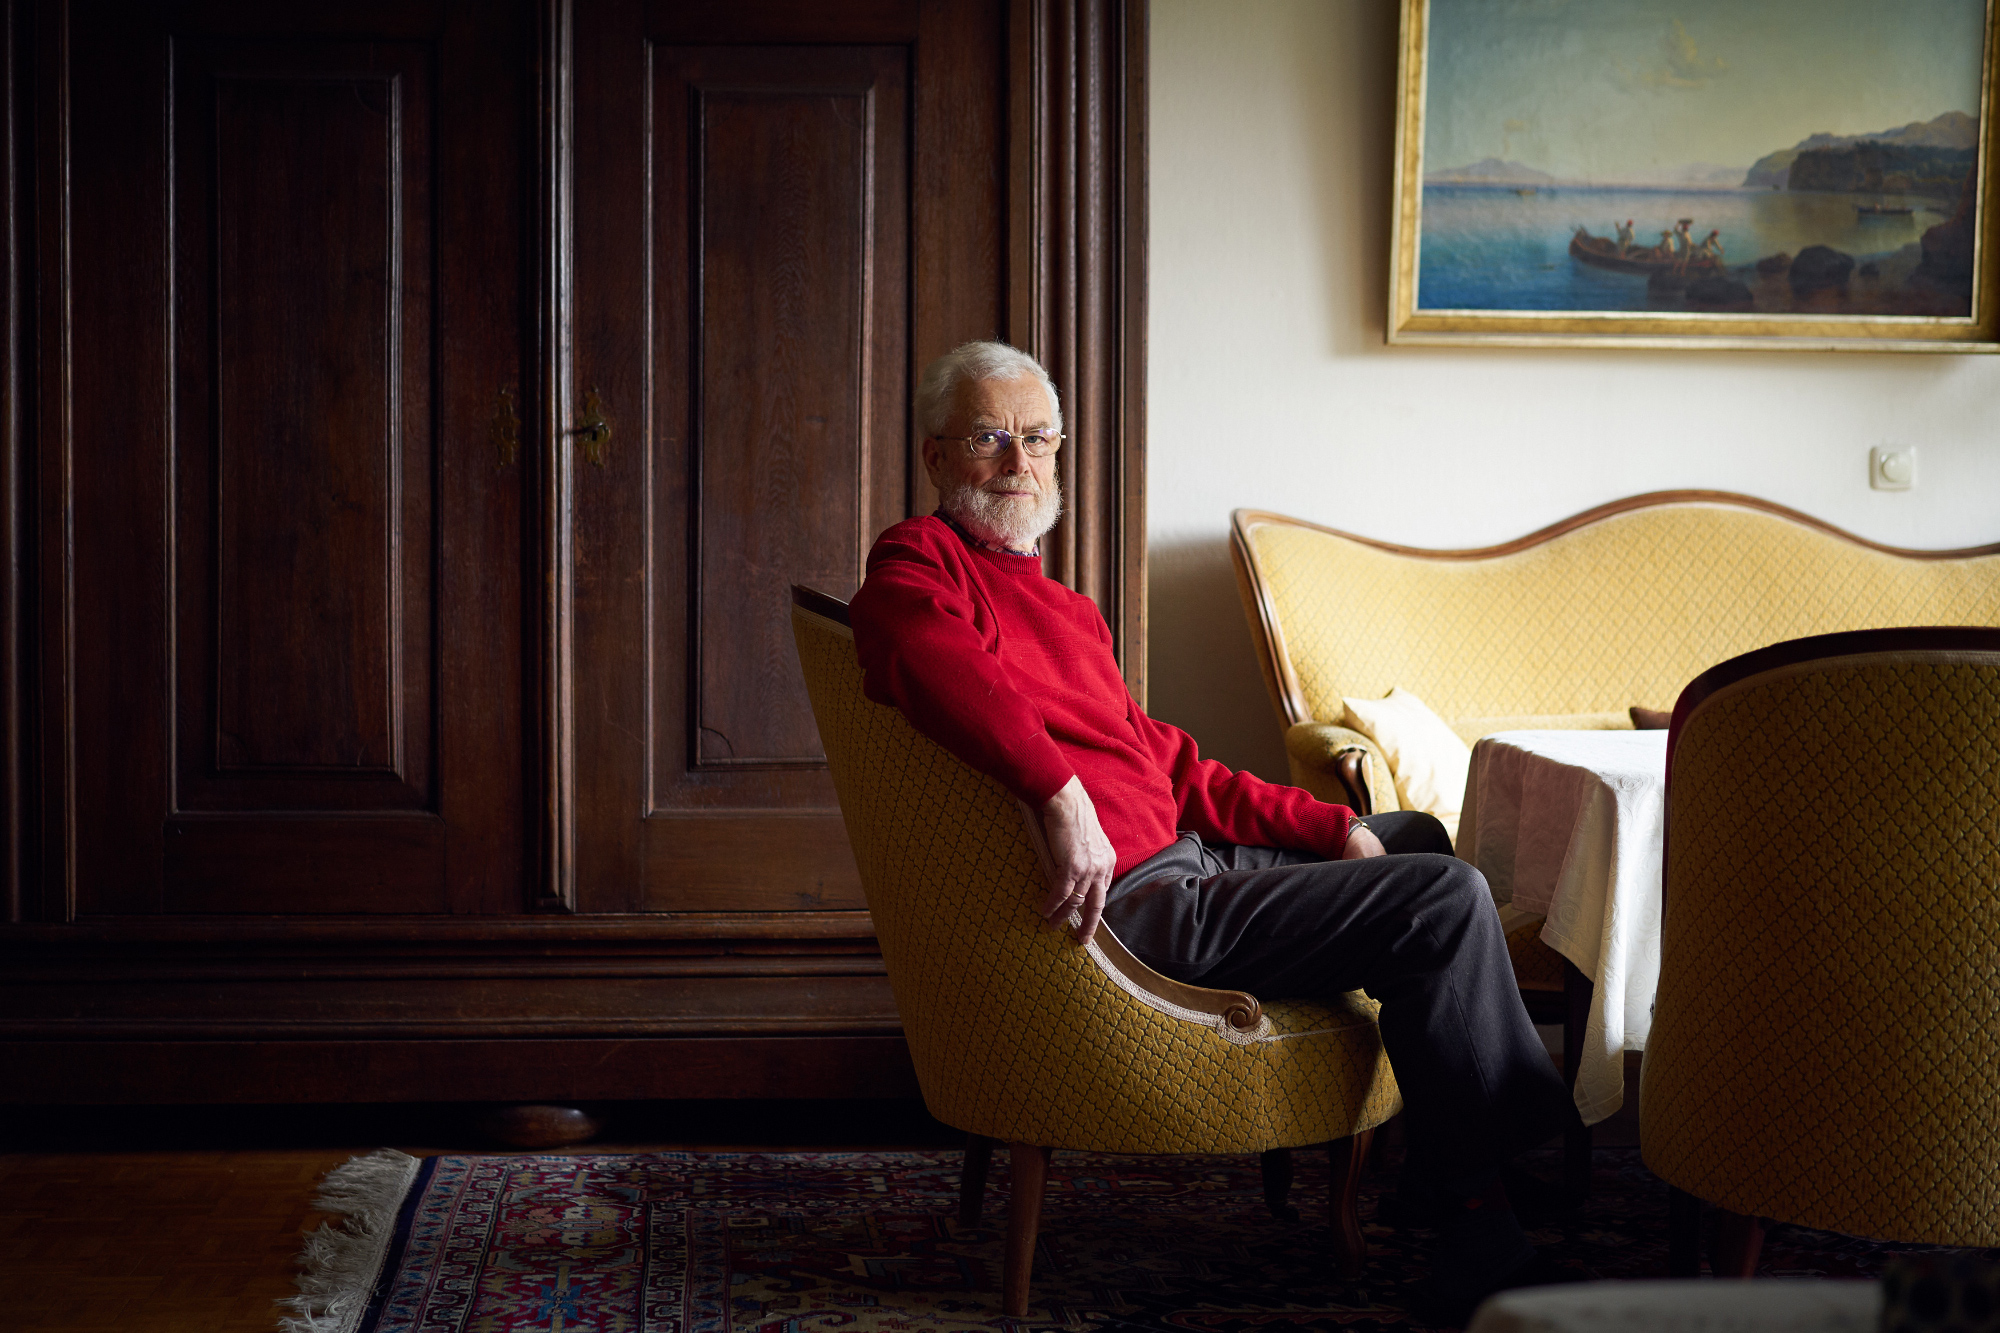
(415, 414)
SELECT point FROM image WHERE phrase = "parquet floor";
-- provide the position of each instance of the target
(136, 1242)
(188, 1221)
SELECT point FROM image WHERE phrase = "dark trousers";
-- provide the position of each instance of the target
(1415, 929)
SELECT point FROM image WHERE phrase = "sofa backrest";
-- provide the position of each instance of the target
(1621, 605)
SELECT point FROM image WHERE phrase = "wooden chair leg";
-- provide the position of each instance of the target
(1683, 1234)
(1577, 991)
(1028, 1166)
(1277, 1167)
(1346, 1157)
(1738, 1242)
(972, 1178)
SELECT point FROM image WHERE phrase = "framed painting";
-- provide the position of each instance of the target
(1806, 174)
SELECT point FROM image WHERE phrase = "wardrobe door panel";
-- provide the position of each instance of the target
(278, 459)
(303, 517)
(782, 210)
(784, 171)
(778, 354)
(761, 187)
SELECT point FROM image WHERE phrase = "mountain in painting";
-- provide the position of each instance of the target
(1952, 132)
(1490, 171)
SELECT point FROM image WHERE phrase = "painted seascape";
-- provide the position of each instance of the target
(1707, 156)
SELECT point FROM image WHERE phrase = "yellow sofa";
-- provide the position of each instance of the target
(1570, 626)
(1567, 627)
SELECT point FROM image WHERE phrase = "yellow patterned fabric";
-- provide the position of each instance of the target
(1018, 1033)
(1624, 611)
(1826, 1042)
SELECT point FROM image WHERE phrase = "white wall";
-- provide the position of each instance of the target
(1273, 128)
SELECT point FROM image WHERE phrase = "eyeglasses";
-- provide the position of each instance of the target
(993, 443)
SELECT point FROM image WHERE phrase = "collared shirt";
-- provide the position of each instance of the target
(960, 529)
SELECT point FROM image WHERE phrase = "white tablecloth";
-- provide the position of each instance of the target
(1568, 824)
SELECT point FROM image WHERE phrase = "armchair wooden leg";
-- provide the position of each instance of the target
(1346, 1157)
(972, 1178)
(1737, 1243)
(1277, 1168)
(1577, 990)
(1683, 1234)
(1029, 1169)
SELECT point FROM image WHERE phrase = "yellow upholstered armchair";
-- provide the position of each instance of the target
(1826, 1041)
(1019, 1035)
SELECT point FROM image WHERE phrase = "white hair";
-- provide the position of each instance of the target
(975, 361)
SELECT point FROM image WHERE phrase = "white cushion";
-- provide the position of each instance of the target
(1427, 759)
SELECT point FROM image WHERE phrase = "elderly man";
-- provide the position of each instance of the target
(1211, 876)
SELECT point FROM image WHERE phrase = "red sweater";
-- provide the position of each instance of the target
(1013, 673)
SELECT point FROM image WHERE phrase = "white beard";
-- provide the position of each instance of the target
(1004, 517)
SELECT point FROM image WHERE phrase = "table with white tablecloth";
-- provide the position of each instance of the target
(1568, 824)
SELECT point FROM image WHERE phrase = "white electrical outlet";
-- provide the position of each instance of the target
(1892, 469)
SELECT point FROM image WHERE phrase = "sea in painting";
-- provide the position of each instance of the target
(1775, 157)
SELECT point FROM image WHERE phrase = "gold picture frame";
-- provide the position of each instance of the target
(1495, 272)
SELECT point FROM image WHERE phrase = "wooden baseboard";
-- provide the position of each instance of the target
(181, 1072)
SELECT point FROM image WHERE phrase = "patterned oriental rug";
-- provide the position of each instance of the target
(869, 1242)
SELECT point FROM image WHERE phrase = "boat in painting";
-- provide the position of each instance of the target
(1603, 252)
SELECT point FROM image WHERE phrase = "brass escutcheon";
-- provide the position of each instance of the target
(595, 431)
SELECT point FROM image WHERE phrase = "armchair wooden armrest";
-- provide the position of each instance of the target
(1239, 1009)
(1340, 765)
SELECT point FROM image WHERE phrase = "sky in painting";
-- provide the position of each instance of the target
(1621, 90)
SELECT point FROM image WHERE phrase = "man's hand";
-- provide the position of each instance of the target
(1361, 842)
(1082, 857)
